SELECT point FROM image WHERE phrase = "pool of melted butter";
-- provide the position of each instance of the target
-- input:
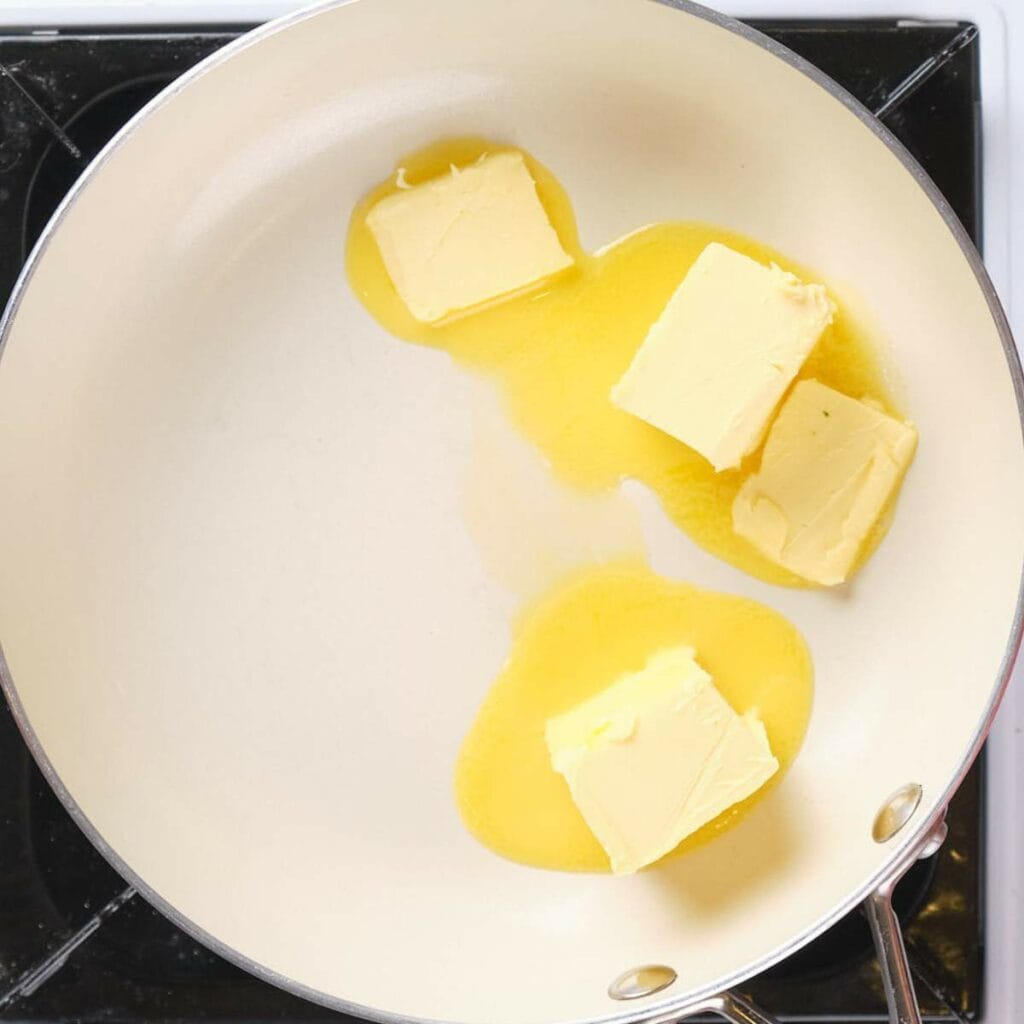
(576, 641)
(555, 351)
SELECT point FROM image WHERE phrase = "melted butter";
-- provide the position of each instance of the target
(557, 349)
(575, 642)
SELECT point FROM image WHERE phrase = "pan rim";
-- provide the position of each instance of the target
(656, 1008)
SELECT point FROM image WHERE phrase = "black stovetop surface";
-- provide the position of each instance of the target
(76, 943)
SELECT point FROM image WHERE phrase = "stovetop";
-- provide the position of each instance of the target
(76, 942)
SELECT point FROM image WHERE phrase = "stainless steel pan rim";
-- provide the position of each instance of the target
(668, 1008)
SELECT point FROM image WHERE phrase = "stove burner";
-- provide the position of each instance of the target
(76, 942)
(90, 128)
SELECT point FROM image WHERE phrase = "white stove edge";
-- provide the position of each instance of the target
(1001, 27)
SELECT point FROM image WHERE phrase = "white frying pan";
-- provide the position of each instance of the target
(244, 622)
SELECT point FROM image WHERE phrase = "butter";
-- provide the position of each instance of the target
(656, 756)
(467, 237)
(721, 355)
(829, 466)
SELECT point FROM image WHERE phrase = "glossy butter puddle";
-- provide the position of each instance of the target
(575, 642)
(555, 351)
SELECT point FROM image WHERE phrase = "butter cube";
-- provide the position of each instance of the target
(655, 756)
(829, 466)
(467, 237)
(717, 361)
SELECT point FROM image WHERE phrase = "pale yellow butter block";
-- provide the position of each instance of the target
(715, 364)
(467, 237)
(828, 468)
(655, 756)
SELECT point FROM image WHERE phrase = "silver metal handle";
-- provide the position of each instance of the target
(732, 1007)
(885, 929)
(892, 957)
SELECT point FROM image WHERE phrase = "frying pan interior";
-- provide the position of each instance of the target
(244, 622)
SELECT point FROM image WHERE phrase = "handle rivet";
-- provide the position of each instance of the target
(641, 981)
(897, 810)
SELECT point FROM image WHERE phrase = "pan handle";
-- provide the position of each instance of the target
(892, 956)
(730, 1006)
(885, 929)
